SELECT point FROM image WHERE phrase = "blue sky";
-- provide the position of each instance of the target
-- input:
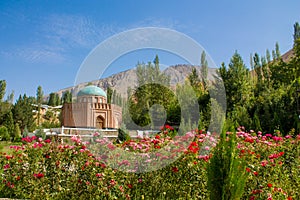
(45, 42)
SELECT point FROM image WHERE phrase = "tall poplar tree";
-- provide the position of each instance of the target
(296, 31)
(39, 101)
(2, 89)
(204, 69)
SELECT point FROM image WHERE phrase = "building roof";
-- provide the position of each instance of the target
(91, 90)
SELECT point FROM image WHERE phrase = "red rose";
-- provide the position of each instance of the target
(175, 169)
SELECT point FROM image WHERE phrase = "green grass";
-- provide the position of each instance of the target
(5, 146)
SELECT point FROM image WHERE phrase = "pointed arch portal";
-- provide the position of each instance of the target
(100, 122)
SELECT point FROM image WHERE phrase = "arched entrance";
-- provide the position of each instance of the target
(100, 122)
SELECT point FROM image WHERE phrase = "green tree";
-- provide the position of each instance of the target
(52, 100)
(17, 134)
(296, 31)
(268, 56)
(58, 100)
(4, 135)
(2, 89)
(204, 69)
(277, 51)
(258, 68)
(273, 55)
(10, 97)
(226, 171)
(109, 94)
(23, 112)
(9, 124)
(152, 88)
(194, 80)
(67, 97)
(156, 62)
(39, 101)
(236, 81)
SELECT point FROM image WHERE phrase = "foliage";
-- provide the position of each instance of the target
(17, 133)
(265, 98)
(40, 133)
(4, 135)
(54, 99)
(296, 31)
(67, 97)
(204, 69)
(43, 169)
(123, 135)
(9, 124)
(2, 89)
(226, 171)
(22, 112)
(39, 101)
(25, 132)
(152, 90)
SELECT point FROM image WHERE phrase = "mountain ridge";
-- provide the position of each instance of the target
(122, 80)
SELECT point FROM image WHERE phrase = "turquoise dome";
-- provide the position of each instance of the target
(91, 90)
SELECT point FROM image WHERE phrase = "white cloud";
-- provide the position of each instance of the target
(74, 31)
(58, 35)
(35, 54)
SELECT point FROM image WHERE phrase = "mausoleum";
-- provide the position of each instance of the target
(91, 110)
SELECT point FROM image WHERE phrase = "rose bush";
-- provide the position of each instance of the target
(103, 169)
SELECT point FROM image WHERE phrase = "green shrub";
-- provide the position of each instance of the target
(226, 171)
(4, 135)
(40, 134)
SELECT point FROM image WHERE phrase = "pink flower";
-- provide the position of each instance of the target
(96, 134)
(277, 139)
(76, 139)
(82, 150)
(268, 135)
(175, 169)
(39, 175)
(7, 166)
(27, 139)
(111, 146)
(205, 157)
(47, 141)
(37, 145)
(113, 182)
(264, 163)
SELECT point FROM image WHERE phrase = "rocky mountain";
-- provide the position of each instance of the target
(123, 80)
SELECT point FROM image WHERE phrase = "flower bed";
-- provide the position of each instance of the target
(162, 167)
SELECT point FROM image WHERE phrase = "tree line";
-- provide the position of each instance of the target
(262, 97)
(24, 116)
